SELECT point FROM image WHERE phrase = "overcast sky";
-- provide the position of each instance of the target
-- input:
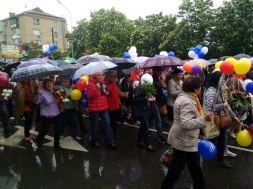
(80, 9)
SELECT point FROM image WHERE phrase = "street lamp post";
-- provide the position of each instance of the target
(70, 25)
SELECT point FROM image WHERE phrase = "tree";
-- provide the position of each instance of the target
(196, 20)
(233, 31)
(35, 50)
(151, 32)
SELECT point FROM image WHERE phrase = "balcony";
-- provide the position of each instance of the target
(16, 36)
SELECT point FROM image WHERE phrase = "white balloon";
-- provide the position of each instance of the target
(135, 83)
(133, 55)
(204, 50)
(132, 50)
(163, 53)
(191, 54)
(245, 83)
(46, 47)
(146, 77)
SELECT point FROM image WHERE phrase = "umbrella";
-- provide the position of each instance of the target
(223, 58)
(198, 61)
(213, 61)
(92, 68)
(61, 62)
(9, 66)
(2, 63)
(34, 72)
(92, 58)
(69, 69)
(70, 60)
(30, 63)
(125, 72)
(239, 56)
(162, 61)
(122, 63)
(139, 60)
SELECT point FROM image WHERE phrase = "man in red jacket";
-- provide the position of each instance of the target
(98, 107)
(113, 100)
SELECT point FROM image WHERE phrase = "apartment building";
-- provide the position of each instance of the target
(33, 25)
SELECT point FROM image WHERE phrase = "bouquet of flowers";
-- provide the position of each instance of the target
(7, 93)
(240, 105)
(149, 89)
(11, 90)
(62, 94)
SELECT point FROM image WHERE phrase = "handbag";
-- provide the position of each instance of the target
(167, 157)
(212, 129)
(163, 109)
(224, 119)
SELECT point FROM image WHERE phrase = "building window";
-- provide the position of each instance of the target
(37, 42)
(13, 31)
(56, 34)
(15, 41)
(55, 24)
(36, 32)
(36, 21)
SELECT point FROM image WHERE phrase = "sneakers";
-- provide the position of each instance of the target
(163, 141)
(232, 135)
(12, 118)
(78, 138)
(62, 137)
(29, 138)
(227, 153)
(137, 123)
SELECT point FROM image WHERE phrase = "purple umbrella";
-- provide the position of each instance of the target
(162, 61)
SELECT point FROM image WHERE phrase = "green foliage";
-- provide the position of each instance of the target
(148, 88)
(240, 105)
(35, 50)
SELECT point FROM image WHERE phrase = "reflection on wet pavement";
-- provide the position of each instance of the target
(129, 167)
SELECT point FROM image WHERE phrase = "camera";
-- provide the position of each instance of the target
(104, 89)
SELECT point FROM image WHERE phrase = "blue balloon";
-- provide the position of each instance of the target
(201, 54)
(51, 47)
(47, 53)
(171, 53)
(127, 55)
(197, 50)
(84, 94)
(55, 46)
(249, 87)
(83, 102)
(124, 53)
(207, 149)
(199, 47)
(75, 80)
(192, 49)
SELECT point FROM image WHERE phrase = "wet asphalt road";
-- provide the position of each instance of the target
(128, 167)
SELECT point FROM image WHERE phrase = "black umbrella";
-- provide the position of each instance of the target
(91, 58)
(2, 63)
(213, 61)
(223, 58)
(9, 66)
(69, 69)
(123, 63)
(125, 72)
(239, 56)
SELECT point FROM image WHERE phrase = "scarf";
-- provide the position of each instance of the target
(198, 104)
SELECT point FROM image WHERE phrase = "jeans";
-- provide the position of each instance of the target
(158, 123)
(45, 123)
(114, 114)
(5, 117)
(69, 114)
(28, 123)
(94, 126)
(178, 163)
(143, 130)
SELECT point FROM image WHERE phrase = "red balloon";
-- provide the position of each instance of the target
(4, 79)
(250, 129)
(227, 67)
(239, 76)
(81, 85)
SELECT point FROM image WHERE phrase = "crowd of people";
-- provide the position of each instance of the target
(189, 99)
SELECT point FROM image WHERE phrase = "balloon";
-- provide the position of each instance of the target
(81, 85)
(127, 55)
(171, 53)
(201, 54)
(187, 67)
(163, 53)
(135, 83)
(197, 50)
(75, 80)
(226, 67)
(51, 47)
(45, 48)
(75, 94)
(191, 49)
(231, 60)
(133, 55)
(4, 79)
(250, 129)
(249, 87)
(245, 83)
(85, 78)
(83, 102)
(55, 46)
(196, 69)
(84, 94)
(146, 77)
(207, 149)
(191, 54)
(242, 66)
(204, 50)
(47, 53)
(217, 64)
(132, 50)
(239, 76)
(96, 53)
(199, 47)
(201, 65)
(244, 138)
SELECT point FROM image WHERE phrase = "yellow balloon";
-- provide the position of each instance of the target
(244, 138)
(95, 53)
(242, 66)
(217, 64)
(75, 94)
(231, 60)
(85, 78)
(201, 65)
